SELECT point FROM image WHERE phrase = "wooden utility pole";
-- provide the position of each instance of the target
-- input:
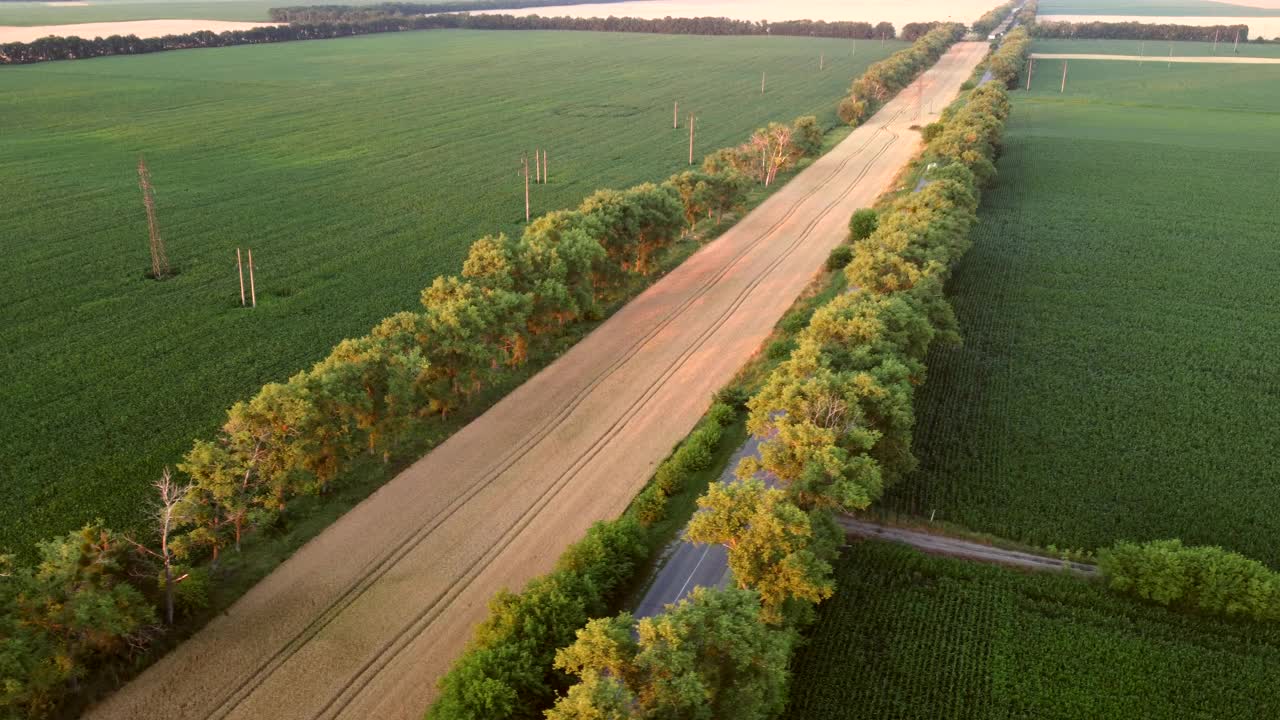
(546, 168)
(762, 76)
(240, 269)
(1031, 68)
(854, 51)
(675, 116)
(1142, 53)
(1236, 50)
(1064, 77)
(822, 62)
(1215, 40)
(537, 166)
(692, 121)
(159, 260)
(525, 160)
(1171, 56)
(253, 290)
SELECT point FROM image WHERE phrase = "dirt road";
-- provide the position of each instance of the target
(363, 619)
(959, 548)
(1156, 59)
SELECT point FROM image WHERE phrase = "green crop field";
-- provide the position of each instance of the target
(1188, 8)
(1154, 49)
(40, 13)
(1121, 317)
(357, 170)
(910, 636)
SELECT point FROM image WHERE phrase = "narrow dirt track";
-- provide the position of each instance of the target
(362, 621)
(1156, 59)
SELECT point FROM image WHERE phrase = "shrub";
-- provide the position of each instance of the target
(862, 224)
(1203, 578)
(839, 257)
(722, 414)
(931, 131)
(650, 505)
(508, 666)
(735, 397)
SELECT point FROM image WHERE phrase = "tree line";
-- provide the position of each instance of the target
(96, 597)
(347, 13)
(883, 79)
(681, 662)
(1139, 31)
(836, 418)
(328, 26)
(670, 25)
(991, 19)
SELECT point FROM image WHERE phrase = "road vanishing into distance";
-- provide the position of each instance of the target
(362, 621)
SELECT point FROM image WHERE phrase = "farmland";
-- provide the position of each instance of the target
(1120, 317)
(1155, 50)
(912, 636)
(357, 170)
(1187, 8)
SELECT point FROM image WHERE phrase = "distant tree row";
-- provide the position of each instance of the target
(351, 13)
(668, 25)
(992, 18)
(1139, 31)
(883, 79)
(330, 23)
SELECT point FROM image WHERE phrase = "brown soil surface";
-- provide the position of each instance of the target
(364, 619)
(1156, 59)
(141, 28)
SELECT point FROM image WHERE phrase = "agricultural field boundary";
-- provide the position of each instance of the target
(1156, 59)
(609, 408)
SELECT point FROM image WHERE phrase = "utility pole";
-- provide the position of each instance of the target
(1170, 55)
(253, 290)
(822, 62)
(675, 116)
(1064, 77)
(1237, 47)
(692, 121)
(762, 76)
(1031, 68)
(546, 168)
(240, 268)
(525, 160)
(1215, 40)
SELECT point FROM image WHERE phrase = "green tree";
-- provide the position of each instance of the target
(863, 223)
(708, 657)
(70, 612)
(773, 545)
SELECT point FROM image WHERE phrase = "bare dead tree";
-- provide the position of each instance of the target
(171, 496)
(159, 260)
